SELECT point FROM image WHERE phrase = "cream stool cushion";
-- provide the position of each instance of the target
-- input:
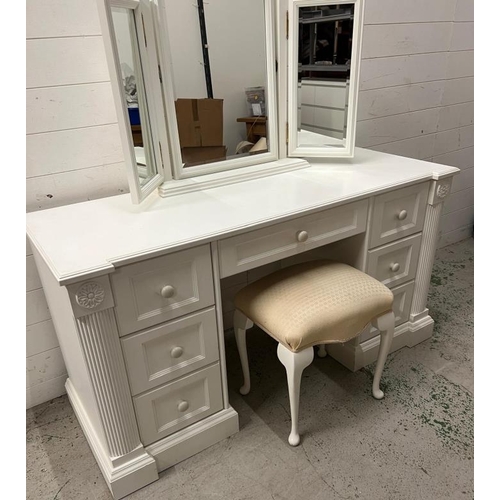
(313, 303)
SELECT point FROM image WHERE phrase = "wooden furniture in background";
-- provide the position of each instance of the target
(137, 135)
(256, 127)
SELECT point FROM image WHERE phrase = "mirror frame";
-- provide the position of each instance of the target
(294, 149)
(149, 65)
(179, 172)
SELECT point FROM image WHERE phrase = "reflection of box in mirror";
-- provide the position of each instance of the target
(256, 101)
(206, 154)
(199, 122)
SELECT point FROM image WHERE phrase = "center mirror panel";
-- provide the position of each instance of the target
(220, 58)
(323, 77)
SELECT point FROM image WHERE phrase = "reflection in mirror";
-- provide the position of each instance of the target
(126, 35)
(218, 53)
(325, 35)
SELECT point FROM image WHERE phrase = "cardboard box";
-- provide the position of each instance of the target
(203, 154)
(200, 122)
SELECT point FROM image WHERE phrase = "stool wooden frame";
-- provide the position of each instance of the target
(296, 362)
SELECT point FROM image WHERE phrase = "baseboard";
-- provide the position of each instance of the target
(123, 475)
(197, 437)
(355, 357)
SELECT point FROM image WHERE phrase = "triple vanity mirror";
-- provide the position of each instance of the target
(198, 85)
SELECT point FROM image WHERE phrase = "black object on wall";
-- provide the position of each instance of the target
(204, 48)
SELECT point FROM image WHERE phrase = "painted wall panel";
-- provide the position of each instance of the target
(421, 147)
(464, 10)
(37, 309)
(401, 99)
(43, 366)
(65, 150)
(457, 219)
(459, 200)
(460, 64)
(400, 39)
(462, 37)
(463, 158)
(74, 186)
(64, 61)
(456, 115)
(61, 18)
(397, 127)
(383, 72)
(463, 181)
(408, 11)
(73, 106)
(457, 91)
(40, 337)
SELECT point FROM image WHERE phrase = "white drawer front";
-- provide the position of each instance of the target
(402, 303)
(276, 242)
(172, 407)
(166, 352)
(184, 278)
(398, 214)
(395, 263)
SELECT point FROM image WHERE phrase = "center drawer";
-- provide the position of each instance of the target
(163, 288)
(256, 248)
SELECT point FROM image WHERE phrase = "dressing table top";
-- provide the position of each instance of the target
(92, 238)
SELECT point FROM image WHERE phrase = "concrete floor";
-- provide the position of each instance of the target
(415, 444)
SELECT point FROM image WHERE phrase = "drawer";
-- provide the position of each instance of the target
(174, 406)
(395, 263)
(163, 353)
(403, 296)
(160, 289)
(278, 241)
(398, 214)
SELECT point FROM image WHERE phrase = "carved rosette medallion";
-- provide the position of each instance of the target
(443, 191)
(90, 295)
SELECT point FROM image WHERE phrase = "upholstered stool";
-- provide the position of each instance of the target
(317, 302)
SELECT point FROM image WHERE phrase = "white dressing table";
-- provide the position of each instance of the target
(134, 291)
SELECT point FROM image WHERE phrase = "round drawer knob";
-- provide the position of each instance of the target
(302, 236)
(177, 352)
(183, 406)
(402, 215)
(167, 292)
(395, 267)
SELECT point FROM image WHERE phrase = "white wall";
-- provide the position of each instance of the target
(73, 150)
(416, 100)
(416, 95)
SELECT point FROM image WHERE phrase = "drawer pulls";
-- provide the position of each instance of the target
(176, 352)
(302, 236)
(394, 267)
(183, 406)
(167, 292)
(402, 215)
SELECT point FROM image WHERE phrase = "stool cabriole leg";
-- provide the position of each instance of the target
(322, 350)
(294, 363)
(385, 325)
(241, 324)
